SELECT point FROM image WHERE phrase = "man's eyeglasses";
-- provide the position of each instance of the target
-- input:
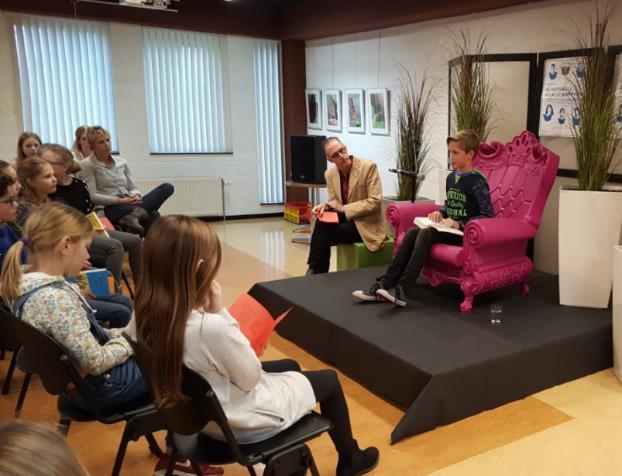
(9, 201)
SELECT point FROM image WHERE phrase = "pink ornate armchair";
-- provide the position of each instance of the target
(520, 174)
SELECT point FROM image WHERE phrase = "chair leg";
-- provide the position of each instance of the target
(64, 424)
(9, 374)
(127, 284)
(171, 462)
(251, 471)
(524, 288)
(118, 462)
(197, 469)
(153, 445)
(22, 395)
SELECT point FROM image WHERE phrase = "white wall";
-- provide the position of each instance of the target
(239, 169)
(369, 61)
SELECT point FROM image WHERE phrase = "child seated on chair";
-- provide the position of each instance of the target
(180, 317)
(468, 198)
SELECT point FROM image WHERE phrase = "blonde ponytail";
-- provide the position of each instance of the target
(11, 273)
(45, 227)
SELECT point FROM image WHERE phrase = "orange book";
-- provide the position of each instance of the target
(255, 321)
(329, 217)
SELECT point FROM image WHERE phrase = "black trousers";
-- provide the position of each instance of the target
(324, 236)
(329, 394)
(412, 255)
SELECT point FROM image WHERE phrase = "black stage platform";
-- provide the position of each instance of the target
(437, 364)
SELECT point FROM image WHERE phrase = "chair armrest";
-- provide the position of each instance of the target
(402, 214)
(488, 232)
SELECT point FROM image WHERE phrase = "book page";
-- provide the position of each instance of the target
(424, 222)
(329, 217)
(255, 321)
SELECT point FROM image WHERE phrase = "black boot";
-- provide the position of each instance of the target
(359, 462)
(132, 220)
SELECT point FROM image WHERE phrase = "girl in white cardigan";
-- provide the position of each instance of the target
(179, 315)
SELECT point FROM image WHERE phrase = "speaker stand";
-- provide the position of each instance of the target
(314, 198)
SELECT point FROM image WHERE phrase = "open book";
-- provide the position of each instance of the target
(255, 321)
(424, 222)
(100, 224)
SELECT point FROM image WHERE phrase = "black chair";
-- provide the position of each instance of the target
(9, 340)
(56, 370)
(284, 454)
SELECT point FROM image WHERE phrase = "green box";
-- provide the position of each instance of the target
(356, 255)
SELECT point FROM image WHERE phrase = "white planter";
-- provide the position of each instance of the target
(617, 311)
(589, 227)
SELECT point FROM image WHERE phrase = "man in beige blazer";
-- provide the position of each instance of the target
(355, 193)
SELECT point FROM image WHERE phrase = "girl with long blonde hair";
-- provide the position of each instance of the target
(180, 317)
(81, 148)
(57, 238)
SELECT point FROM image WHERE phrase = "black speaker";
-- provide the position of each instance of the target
(308, 159)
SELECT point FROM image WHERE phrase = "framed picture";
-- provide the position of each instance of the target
(378, 111)
(332, 110)
(314, 108)
(355, 110)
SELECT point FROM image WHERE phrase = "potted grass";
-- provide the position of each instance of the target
(412, 142)
(590, 215)
(471, 92)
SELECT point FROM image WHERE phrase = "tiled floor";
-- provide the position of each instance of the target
(572, 429)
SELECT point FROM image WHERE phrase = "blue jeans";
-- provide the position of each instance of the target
(150, 202)
(116, 309)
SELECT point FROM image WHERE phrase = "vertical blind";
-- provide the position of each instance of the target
(65, 76)
(185, 86)
(266, 63)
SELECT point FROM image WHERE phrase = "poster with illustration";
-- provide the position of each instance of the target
(314, 118)
(332, 110)
(378, 111)
(355, 111)
(558, 110)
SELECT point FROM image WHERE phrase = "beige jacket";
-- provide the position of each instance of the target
(364, 200)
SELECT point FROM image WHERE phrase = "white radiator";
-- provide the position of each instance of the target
(198, 197)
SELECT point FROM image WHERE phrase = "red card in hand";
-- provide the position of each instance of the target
(329, 217)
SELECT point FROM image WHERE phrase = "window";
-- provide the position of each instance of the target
(185, 76)
(65, 76)
(266, 63)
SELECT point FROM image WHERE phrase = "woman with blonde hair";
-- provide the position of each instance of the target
(36, 449)
(81, 148)
(57, 238)
(180, 317)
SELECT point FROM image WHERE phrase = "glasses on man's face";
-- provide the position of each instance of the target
(338, 152)
(9, 201)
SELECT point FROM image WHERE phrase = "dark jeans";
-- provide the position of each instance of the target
(329, 394)
(116, 309)
(324, 236)
(150, 202)
(412, 255)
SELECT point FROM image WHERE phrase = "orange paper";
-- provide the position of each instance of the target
(329, 217)
(255, 321)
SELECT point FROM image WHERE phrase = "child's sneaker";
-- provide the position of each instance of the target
(370, 295)
(395, 295)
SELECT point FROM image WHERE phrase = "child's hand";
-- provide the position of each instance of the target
(435, 216)
(450, 223)
(215, 297)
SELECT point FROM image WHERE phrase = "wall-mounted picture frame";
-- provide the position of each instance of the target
(314, 108)
(332, 110)
(355, 110)
(378, 111)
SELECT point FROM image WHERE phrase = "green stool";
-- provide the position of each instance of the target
(356, 255)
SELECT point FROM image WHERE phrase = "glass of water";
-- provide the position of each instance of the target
(495, 313)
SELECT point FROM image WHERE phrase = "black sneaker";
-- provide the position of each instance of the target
(368, 295)
(361, 462)
(395, 295)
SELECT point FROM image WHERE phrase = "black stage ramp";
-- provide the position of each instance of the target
(437, 364)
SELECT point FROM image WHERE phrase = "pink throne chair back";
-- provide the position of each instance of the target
(520, 174)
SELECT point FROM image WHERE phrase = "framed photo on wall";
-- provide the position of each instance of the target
(378, 111)
(355, 110)
(332, 110)
(314, 108)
